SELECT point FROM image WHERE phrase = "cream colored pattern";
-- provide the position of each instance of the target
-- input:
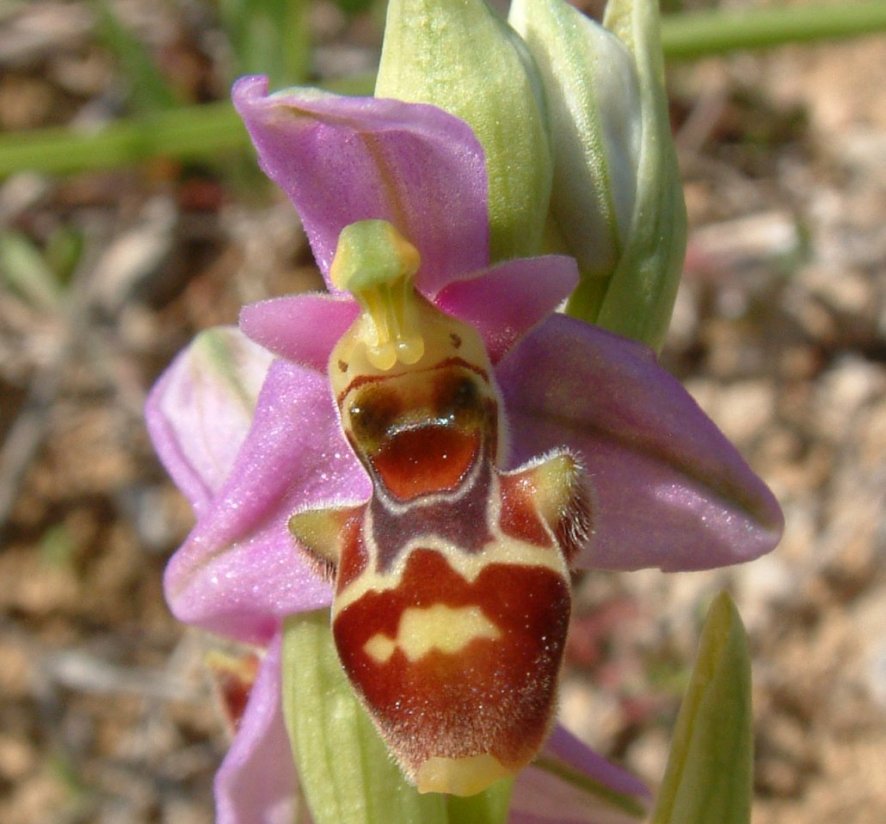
(502, 549)
(438, 627)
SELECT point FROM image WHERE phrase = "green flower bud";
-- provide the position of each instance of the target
(594, 108)
(460, 56)
(617, 203)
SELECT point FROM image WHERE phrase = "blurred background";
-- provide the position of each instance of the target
(140, 221)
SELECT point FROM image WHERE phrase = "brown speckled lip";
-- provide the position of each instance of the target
(493, 696)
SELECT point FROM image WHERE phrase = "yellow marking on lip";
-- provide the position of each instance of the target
(439, 627)
(460, 776)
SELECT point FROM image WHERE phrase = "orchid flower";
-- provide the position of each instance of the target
(247, 425)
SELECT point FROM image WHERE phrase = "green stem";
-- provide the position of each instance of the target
(695, 34)
(192, 132)
(187, 133)
(202, 131)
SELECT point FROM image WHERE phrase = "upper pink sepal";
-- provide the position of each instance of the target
(344, 159)
(667, 488)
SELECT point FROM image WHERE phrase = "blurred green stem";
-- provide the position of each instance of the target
(202, 131)
(696, 34)
(187, 133)
(190, 132)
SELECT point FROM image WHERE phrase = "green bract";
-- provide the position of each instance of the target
(617, 202)
(459, 55)
(708, 777)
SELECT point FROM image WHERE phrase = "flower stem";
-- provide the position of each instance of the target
(202, 131)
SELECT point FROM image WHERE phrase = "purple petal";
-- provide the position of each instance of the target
(542, 797)
(507, 300)
(199, 411)
(667, 488)
(539, 798)
(257, 781)
(301, 328)
(343, 159)
(239, 571)
(573, 752)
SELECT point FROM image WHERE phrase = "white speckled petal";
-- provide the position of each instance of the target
(199, 411)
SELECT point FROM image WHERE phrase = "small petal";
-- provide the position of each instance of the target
(542, 797)
(539, 798)
(257, 782)
(199, 411)
(301, 328)
(572, 751)
(504, 302)
(667, 489)
(345, 159)
(239, 571)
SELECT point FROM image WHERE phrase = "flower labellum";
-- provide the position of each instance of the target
(452, 597)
